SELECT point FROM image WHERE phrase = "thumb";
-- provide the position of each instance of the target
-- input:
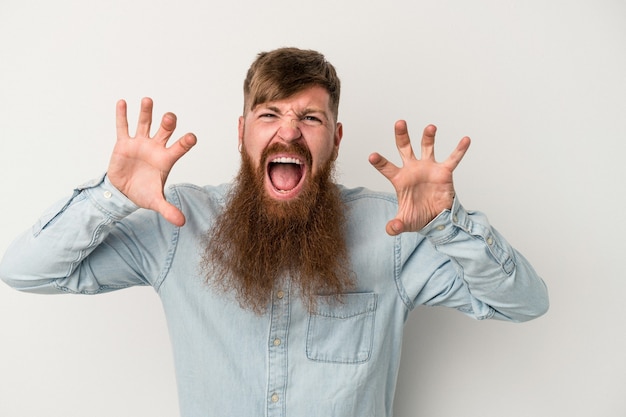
(170, 213)
(394, 227)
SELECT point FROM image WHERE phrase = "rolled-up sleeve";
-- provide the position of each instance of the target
(483, 275)
(46, 258)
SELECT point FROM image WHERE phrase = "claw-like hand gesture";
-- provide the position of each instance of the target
(424, 186)
(140, 165)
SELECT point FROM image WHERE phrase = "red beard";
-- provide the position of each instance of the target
(258, 241)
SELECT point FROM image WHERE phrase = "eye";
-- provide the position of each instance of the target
(267, 117)
(312, 120)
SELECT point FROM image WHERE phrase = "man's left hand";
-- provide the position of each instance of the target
(424, 186)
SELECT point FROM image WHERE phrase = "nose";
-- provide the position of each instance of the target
(289, 130)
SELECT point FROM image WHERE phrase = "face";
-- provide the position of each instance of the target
(292, 139)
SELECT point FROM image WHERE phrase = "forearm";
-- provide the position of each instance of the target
(495, 273)
(62, 238)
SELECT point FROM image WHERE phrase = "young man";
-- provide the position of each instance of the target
(284, 296)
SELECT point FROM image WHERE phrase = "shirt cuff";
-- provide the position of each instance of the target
(446, 225)
(107, 198)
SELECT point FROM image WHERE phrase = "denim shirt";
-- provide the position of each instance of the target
(341, 359)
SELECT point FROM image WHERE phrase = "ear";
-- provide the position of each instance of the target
(338, 137)
(240, 129)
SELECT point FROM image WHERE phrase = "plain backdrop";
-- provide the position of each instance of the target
(539, 85)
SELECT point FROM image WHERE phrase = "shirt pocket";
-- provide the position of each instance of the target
(342, 331)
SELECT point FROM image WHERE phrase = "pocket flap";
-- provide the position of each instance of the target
(348, 305)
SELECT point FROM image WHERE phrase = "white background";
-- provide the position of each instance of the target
(539, 85)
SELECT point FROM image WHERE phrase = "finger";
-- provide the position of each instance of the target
(457, 155)
(385, 167)
(121, 120)
(403, 141)
(428, 142)
(167, 127)
(183, 145)
(145, 117)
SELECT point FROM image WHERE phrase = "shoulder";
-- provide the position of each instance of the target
(368, 210)
(365, 196)
(195, 196)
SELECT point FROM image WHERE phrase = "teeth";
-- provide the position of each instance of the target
(285, 160)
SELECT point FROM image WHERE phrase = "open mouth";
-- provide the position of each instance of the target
(286, 175)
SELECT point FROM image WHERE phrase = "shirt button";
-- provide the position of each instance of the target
(489, 241)
(277, 342)
(455, 218)
(441, 227)
(108, 194)
(274, 398)
(280, 294)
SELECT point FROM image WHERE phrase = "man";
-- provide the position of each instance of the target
(283, 294)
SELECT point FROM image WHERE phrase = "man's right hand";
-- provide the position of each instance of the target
(140, 165)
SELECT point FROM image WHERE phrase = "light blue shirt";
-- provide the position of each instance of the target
(340, 360)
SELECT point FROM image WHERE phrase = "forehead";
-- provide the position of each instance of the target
(313, 98)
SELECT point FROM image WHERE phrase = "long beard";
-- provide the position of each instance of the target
(258, 241)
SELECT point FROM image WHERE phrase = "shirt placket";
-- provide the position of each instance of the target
(277, 348)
